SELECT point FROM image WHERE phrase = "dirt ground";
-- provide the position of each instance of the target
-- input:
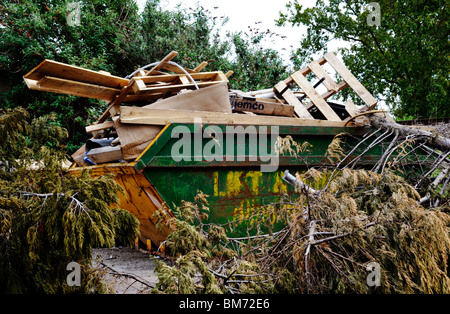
(126, 271)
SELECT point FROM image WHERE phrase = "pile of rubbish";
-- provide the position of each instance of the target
(142, 104)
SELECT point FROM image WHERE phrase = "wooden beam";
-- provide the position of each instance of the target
(137, 85)
(105, 154)
(215, 76)
(306, 70)
(228, 74)
(329, 83)
(315, 97)
(68, 87)
(200, 67)
(167, 58)
(351, 80)
(173, 68)
(173, 88)
(340, 86)
(114, 104)
(263, 107)
(149, 116)
(70, 72)
(98, 127)
(289, 96)
(351, 108)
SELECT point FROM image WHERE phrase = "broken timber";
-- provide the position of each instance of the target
(145, 107)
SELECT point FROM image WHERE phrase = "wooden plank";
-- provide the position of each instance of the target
(115, 103)
(221, 77)
(74, 73)
(305, 70)
(289, 96)
(105, 154)
(182, 79)
(351, 108)
(167, 58)
(173, 77)
(151, 97)
(262, 107)
(175, 69)
(100, 126)
(228, 74)
(340, 86)
(149, 116)
(351, 80)
(137, 85)
(174, 88)
(68, 87)
(200, 67)
(315, 97)
(329, 83)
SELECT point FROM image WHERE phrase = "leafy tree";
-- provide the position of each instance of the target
(405, 60)
(48, 218)
(255, 67)
(113, 36)
(195, 35)
(36, 30)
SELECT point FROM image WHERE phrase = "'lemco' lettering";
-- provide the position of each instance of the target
(249, 105)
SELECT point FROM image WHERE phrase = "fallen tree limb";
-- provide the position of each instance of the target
(433, 139)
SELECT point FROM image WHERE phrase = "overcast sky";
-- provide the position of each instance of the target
(250, 14)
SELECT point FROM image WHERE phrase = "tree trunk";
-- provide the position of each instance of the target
(433, 139)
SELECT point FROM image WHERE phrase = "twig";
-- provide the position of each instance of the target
(308, 271)
(383, 157)
(339, 235)
(393, 150)
(128, 275)
(383, 136)
(332, 176)
(443, 175)
(257, 236)
(433, 168)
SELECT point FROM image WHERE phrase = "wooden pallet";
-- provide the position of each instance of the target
(317, 100)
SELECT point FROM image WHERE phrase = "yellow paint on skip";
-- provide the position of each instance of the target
(279, 185)
(254, 175)
(233, 185)
(216, 183)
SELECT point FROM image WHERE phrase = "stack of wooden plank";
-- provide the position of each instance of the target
(167, 93)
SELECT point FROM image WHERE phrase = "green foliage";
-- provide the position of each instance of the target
(36, 30)
(405, 60)
(379, 220)
(255, 67)
(113, 36)
(49, 218)
(359, 218)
